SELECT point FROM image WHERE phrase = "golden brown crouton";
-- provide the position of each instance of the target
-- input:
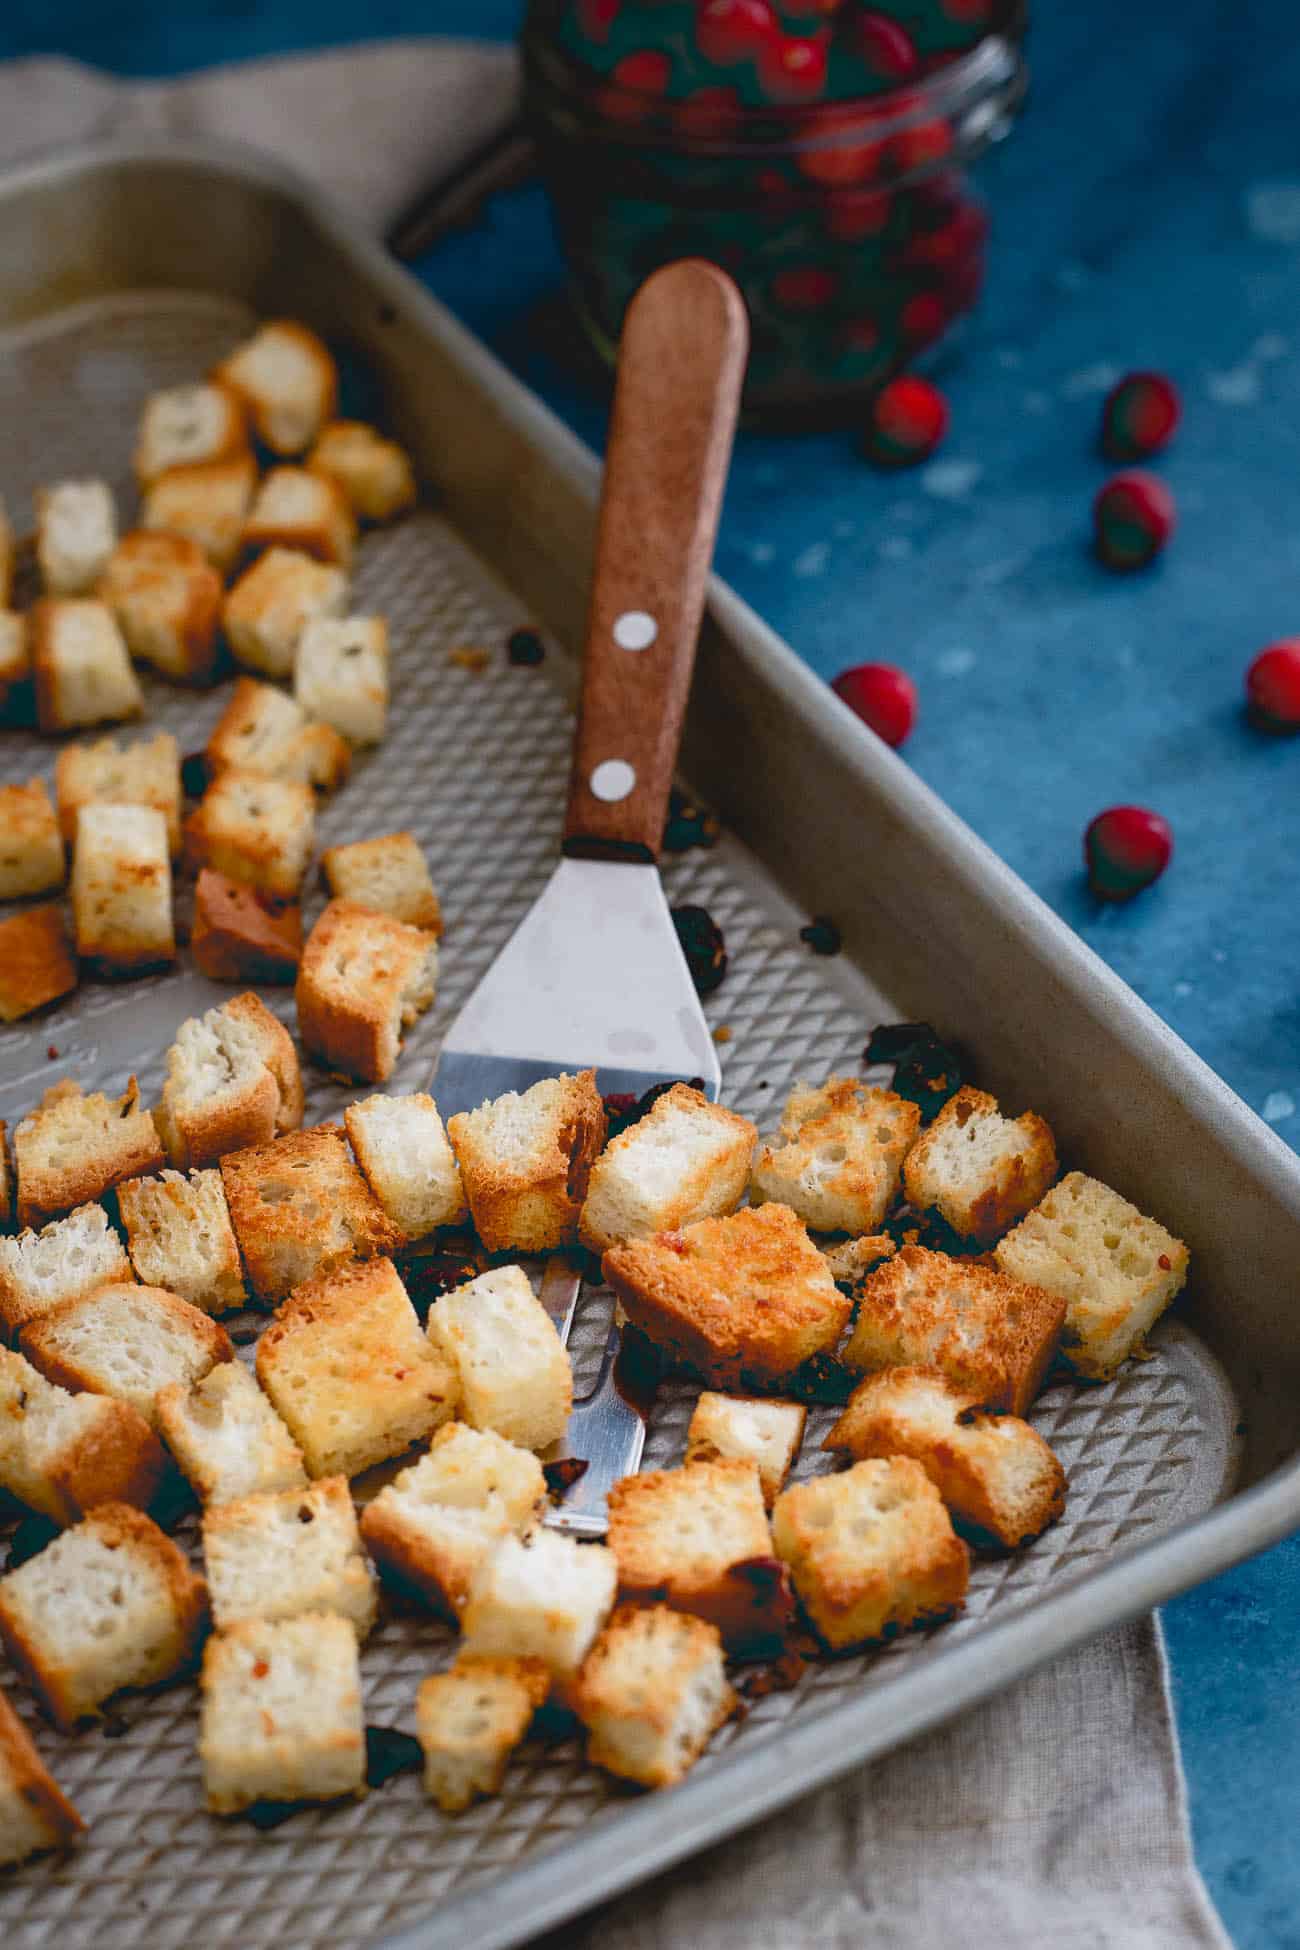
(239, 935)
(264, 615)
(76, 527)
(226, 1436)
(147, 773)
(296, 509)
(301, 1208)
(513, 1372)
(126, 1340)
(254, 830)
(232, 1081)
(31, 851)
(525, 1158)
(36, 964)
(543, 1596)
(374, 473)
(15, 662)
(982, 1171)
(686, 1159)
(122, 888)
(205, 504)
(388, 874)
(401, 1146)
(166, 598)
(80, 665)
(34, 1814)
(282, 1718)
(188, 426)
(852, 1259)
(263, 731)
(341, 675)
(652, 1692)
(74, 1147)
(287, 380)
(363, 978)
(65, 1259)
(63, 1454)
(748, 1429)
(179, 1236)
(281, 1553)
(470, 1720)
(840, 1154)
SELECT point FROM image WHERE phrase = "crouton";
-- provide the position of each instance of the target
(279, 1553)
(852, 1259)
(980, 1170)
(205, 504)
(997, 1476)
(743, 1300)
(166, 598)
(36, 964)
(76, 529)
(178, 1234)
(839, 1156)
(254, 830)
(281, 1717)
(125, 1340)
(122, 888)
(63, 1454)
(400, 1145)
(340, 674)
(188, 426)
(287, 380)
(544, 1597)
(301, 1208)
(526, 1159)
(1112, 1269)
(363, 978)
(232, 1081)
(146, 773)
(308, 512)
(986, 1332)
(389, 875)
(34, 1814)
(74, 1147)
(15, 664)
(514, 1373)
(872, 1551)
(239, 935)
(266, 611)
(686, 1159)
(652, 1693)
(31, 851)
(65, 1260)
(80, 665)
(437, 1522)
(748, 1429)
(470, 1720)
(374, 473)
(108, 1604)
(226, 1436)
(263, 731)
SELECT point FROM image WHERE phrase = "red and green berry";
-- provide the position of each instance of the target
(1139, 416)
(1125, 848)
(1273, 687)
(907, 422)
(883, 696)
(1133, 517)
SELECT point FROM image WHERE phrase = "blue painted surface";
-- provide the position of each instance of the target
(1146, 213)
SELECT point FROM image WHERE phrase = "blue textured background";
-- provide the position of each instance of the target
(1147, 212)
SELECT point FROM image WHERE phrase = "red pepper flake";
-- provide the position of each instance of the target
(469, 656)
(52, 1052)
(722, 1034)
(260, 1669)
(1165, 1264)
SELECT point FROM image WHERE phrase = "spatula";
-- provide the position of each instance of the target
(594, 977)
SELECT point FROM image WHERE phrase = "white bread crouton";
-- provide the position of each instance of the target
(281, 1718)
(374, 473)
(1115, 1270)
(287, 380)
(470, 1720)
(146, 773)
(743, 1300)
(980, 1170)
(122, 888)
(36, 964)
(206, 504)
(301, 1208)
(233, 1080)
(255, 830)
(31, 850)
(437, 1522)
(388, 874)
(850, 1260)
(340, 675)
(62, 1454)
(74, 1147)
(515, 1375)
(686, 1159)
(80, 665)
(363, 978)
(66, 1259)
(239, 935)
(347, 1367)
(279, 1553)
(402, 1148)
(34, 1814)
(749, 1429)
(526, 1157)
(839, 1156)
(125, 1340)
(872, 1551)
(15, 662)
(76, 530)
(308, 512)
(995, 1473)
(179, 1235)
(110, 1603)
(226, 1436)
(266, 611)
(166, 598)
(262, 730)
(544, 1597)
(652, 1693)
(188, 426)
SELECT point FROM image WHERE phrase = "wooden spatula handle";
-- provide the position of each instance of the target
(680, 367)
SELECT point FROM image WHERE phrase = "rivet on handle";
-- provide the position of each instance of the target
(635, 630)
(613, 779)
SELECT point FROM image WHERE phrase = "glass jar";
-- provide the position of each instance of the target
(848, 221)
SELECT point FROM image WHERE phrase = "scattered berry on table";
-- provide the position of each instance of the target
(525, 647)
(1139, 416)
(907, 421)
(1133, 517)
(703, 946)
(822, 935)
(883, 696)
(1125, 848)
(1273, 686)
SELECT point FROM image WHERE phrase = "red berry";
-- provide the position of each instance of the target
(1125, 848)
(972, 13)
(884, 46)
(923, 318)
(883, 696)
(813, 9)
(709, 113)
(793, 67)
(1273, 686)
(638, 80)
(921, 146)
(734, 30)
(835, 149)
(853, 214)
(952, 242)
(805, 287)
(1133, 517)
(909, 418)
(1139, 416)
(596, 17)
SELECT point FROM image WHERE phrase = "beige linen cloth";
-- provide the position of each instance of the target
(1055, 1814)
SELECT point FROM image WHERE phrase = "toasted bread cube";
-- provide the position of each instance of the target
(74, 1147)
(746, 1428)
(309, 512)
(850, 1260)
(206, 504)
(179, 1235)
(122, 888)
(436, 1523)
(301, 1208)
(340, 674)
(281, 1718)
(232, 1081)
(652, 1693)
(400, 1145)
(80, 664)
(697, 1537)
(840, 1154)
(374, 473)
(36, 964)
(363, 978)
(279, 1553)
(388, 874)
(254, 830)
(63, 1454)
(287, 380)
(544, 1597)
(31, 851)
(872, 1551)
(981, 1171)
(743, 1300)
(514, 1372)
(125, 1340)
(470, 1720)
(66, 1259)
(1114, 1270)
(108, 1604)
(166, 598)
(986, 1332)
(146, 773)
(263, 731)
(34, 1814)
(686, 1159)
(997, 1476)
(347, 1367)
(188, 426)
(15, 661)
(526, 1157)
(265, 613)
(239, 935)
(226, 1436)
(76, 530)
